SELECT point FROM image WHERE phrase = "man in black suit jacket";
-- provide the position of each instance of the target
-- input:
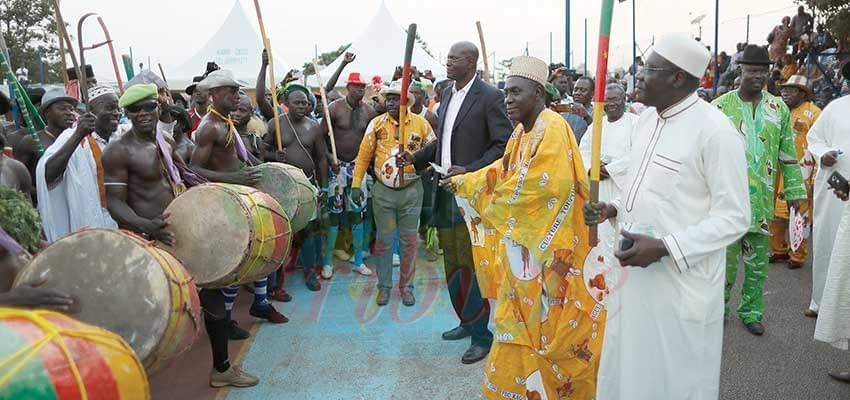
(472, 132)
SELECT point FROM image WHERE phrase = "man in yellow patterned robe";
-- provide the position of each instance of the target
(549, 316)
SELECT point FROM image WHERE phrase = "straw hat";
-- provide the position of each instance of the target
(799, 82)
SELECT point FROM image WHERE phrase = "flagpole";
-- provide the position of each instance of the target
(598, 105)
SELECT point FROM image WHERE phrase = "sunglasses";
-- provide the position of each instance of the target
(148, 106)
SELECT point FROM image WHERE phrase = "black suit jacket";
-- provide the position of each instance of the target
(479, 134)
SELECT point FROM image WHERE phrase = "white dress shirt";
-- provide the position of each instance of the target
(451, 115)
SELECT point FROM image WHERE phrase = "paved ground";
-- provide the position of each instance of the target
(785, 363)
(338, 345)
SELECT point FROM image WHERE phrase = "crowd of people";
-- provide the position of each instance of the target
(493, 180)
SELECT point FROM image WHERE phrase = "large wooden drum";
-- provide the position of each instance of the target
(228, 235)
(126, 285)
(47, 355)
(291, 188)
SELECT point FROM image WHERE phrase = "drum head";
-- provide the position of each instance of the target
(212, 230)
(307, 194)
(119, 284)
(277, 182)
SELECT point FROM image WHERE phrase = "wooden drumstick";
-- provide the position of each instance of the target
(483, 52)
(268, 46)
(325, 109)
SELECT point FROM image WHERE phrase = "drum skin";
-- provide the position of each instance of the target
(47, 355)
(291, 188)
(228, 235)
(126, 285)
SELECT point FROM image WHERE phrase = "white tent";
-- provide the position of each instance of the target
(379, 49)
(237, 46)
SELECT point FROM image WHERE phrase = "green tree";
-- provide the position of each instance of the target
(324, 59)
(29, 31)
(834, 14)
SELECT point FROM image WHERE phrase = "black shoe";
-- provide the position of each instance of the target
(237, 333)
(474, 354)
(457, 333)
(756, 328)
(313, 282)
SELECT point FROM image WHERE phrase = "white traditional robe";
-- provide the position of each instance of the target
(830, 132)
(73, 201)
(616, 145)
(687, 184)
(833, 324)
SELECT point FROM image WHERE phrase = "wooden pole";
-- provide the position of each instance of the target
(60, 22)
(326, 110)
(483, 51)
(267, 45)
(59, 30)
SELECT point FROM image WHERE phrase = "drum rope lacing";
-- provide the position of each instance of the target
(26, 353)
(182, 305)
(257, 253)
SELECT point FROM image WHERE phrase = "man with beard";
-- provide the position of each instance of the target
(57, 108)
(797, 96)
(764, 121)
(304, 147)
(142, 179)
(69, 176)
(349, 117)
(221, 156)
(686, 201)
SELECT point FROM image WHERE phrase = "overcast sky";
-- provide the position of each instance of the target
(170, 31)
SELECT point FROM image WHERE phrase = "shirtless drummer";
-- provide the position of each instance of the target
(304, 147)
(221, 156)
(349, 116)
(138, 192)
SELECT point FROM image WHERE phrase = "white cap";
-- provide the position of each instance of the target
(684, 52)
(219, 78)
(531, 68)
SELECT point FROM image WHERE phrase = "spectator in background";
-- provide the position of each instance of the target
(801, 23)
(778, 39)
(788, 67)
(823, 40)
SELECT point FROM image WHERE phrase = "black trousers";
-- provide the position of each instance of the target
(472, 309)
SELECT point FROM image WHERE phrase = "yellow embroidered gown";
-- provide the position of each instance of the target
(549, 316)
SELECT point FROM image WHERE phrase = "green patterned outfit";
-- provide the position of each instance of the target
(770, 145)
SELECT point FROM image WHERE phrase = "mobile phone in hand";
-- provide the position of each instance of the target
(838, 182)
(626, 243)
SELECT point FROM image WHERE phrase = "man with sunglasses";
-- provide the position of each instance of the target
(69, 176)
(685, 200)
(139, 192)
(764, 122)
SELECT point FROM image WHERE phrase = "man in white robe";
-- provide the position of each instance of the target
(69, 176)
(829, 136)
(685, 200)
(617, 130)
(833, 326)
